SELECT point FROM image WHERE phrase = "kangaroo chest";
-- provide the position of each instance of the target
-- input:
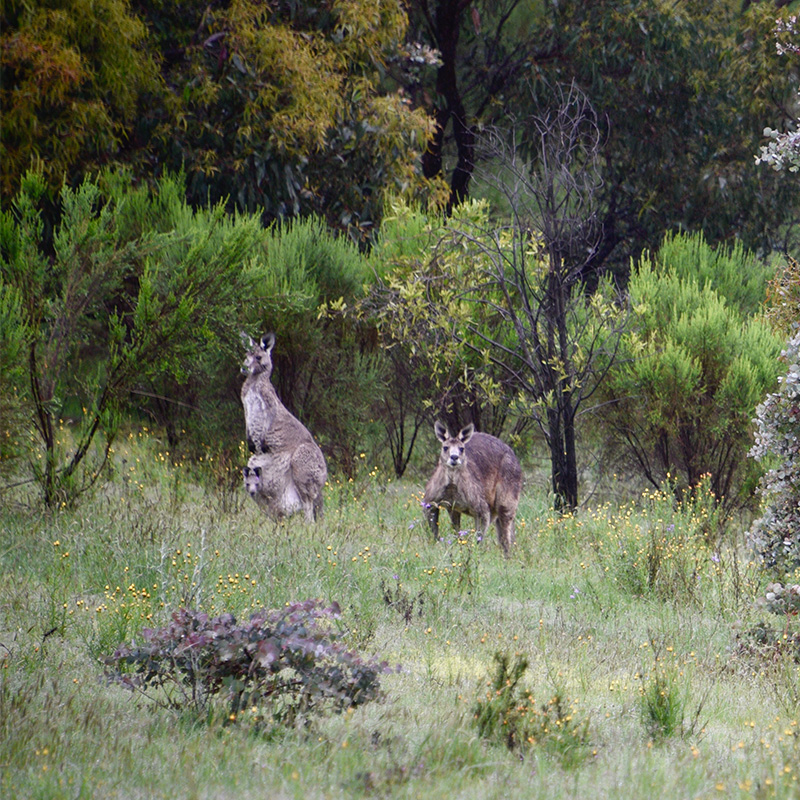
(455, 497)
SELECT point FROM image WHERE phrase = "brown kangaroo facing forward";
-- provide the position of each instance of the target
(287, 471)
(479, 475)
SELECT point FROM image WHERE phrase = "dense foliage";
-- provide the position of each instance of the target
(669, 82)
(74, 77)
(134, 304)
(279, 109)
(332, 108)
(117, 303)
(496, 319)
(693, 365)
(288, 661)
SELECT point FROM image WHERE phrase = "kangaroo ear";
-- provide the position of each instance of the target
(246, 471)
(257, 471)
(246, 339)
(441, 431)
(268, 341)
(465, 434)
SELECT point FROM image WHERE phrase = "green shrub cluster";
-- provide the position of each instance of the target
(131, 306)
(692, 368)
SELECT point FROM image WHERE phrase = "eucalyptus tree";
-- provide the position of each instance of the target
(284, 108)
(669, 81)
(72, 79)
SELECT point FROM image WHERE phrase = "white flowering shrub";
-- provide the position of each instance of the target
(782, 150)
(776, 535)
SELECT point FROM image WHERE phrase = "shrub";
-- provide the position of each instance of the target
(13, 335)
(664, 701)
(694, 365)
(734, 272)
(775, 536)
(780, 599)
(328, 371)
(99, 311)
(289, 660)
(775, 649)
(511, 715)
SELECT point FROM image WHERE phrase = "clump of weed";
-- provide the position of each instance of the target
(509, 714)
(398, 598)
(664, 700)
(662, 547)
(283, 665)
(662, 703)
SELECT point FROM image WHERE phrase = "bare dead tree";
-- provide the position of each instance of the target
(535, 283)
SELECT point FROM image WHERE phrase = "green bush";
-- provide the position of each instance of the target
(733, 272)
(328, 369)
(13, 341)
(693, 367)
(111, 306)
(511, 715)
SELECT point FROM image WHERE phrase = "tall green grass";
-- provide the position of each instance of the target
(608, 608)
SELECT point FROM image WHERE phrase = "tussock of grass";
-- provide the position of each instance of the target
(634, 615)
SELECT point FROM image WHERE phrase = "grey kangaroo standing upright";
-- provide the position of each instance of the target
(286, 471)
(479, 475)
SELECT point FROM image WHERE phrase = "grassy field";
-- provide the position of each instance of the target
(645, 675)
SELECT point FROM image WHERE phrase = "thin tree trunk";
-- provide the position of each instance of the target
(446, 30)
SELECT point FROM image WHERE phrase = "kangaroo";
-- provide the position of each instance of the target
(479, 475)
(286, 471)
(284, 484)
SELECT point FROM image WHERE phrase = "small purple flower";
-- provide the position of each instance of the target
(575, 592)
(715, 558)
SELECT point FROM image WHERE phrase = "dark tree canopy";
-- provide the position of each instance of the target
(278, 108)
(73, 75)
(681, 89)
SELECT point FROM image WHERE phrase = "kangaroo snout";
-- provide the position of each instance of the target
(454, 459)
